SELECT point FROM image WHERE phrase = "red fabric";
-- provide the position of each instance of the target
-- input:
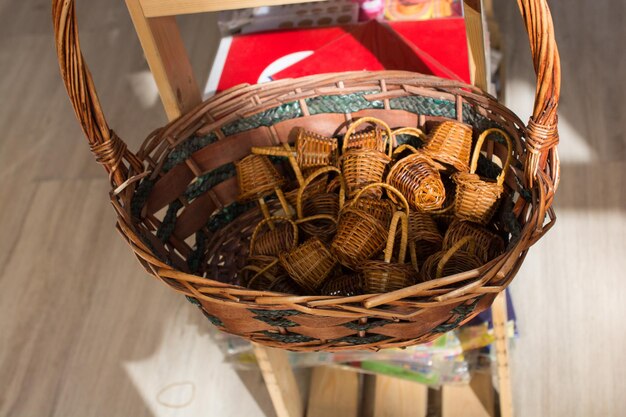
(400, 46)
(250, 54)
(437, 47)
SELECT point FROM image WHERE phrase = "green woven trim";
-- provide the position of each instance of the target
(227, 215)
(209, 180)
(424, 105)
(193, 301)
(269, 117)
(214, 320)
(277, 322)
(356, 340)
(169, 221)
(274, 314)
(346, 103)
(186, 149)
(288, 338)
(194, 261)
(367, 326)
(461, 312)
(140, 197)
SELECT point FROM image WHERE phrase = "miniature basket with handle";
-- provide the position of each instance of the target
(451, 261)
(477, 199)
(381, 276)
(365, 163)
(361, 235)
(181, 182)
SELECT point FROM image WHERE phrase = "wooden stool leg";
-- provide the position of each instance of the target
(395, 397)
(280, 381)
(500, 319)
(334, 392)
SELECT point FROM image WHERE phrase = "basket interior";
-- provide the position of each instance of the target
(186, 211)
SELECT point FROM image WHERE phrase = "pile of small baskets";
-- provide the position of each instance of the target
(340, 214)
(180, 207)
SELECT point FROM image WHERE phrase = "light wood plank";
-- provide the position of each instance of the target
(280, 381)
(168, 60)
(476, 41)
(395, 397)
(334, 392)
(155, 8)
(500, 319)
(475, 399)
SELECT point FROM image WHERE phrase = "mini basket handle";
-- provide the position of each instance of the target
(479, 145)
(411, 131)
(309, 180)
(316, 217)
(260, 271)
(271, 220)
(405, 147)
(391, 238)
(359, 122)
(454, 249)
(387, 187)
(283, 151)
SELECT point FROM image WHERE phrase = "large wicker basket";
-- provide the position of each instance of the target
(176, 197)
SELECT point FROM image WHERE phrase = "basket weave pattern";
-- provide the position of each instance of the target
(199, 246)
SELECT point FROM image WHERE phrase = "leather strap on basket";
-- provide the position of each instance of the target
(542, 130)
(107, 147)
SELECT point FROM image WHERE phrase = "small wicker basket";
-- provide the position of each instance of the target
(488, 244)
(450, 142)
(424, 237)
(309, 264)
(276, 239)
(477, 199)
(381, 276)
(312, 149)
(364, 162)
(324, 206)
(343, 286)
(417, 177)
(257, 178)
(451, 261)
(360, 235)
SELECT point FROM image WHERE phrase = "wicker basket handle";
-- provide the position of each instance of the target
(454, 249)
(260, 271)
(391, 238)
(411, 131)
(352, 129)
(282, 151)
(309, 180)
(107, 147)
(479, 145)
(271, 220)
(542, 130)
(387, 187)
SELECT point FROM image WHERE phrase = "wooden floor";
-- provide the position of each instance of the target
(84, 333)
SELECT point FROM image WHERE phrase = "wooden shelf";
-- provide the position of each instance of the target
(158, 8)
